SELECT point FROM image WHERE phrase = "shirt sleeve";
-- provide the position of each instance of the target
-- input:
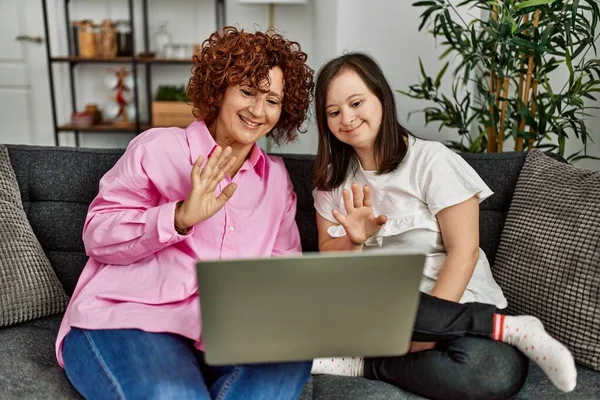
(288, 241)
(124, 223)
(325, 203)
(448, 179)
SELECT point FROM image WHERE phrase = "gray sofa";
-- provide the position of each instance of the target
(57, 184)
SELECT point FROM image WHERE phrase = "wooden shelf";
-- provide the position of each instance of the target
(121, 60)
(108, 127)
(105, 127)
(164, 60)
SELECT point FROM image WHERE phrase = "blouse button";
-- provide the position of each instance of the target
(231, 228)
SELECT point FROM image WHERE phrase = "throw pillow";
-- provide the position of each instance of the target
(29, 287)
(548, 261)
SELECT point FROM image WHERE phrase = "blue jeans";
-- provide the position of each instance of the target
(133, 364)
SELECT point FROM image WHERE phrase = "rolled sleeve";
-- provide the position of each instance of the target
(163, 218)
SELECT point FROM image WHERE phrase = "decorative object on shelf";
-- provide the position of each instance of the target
(179, 51)
(117, 109)
(124, 38)
(87, 39)
(170, 107)
(162, 38)
(93, 110)
(111, 110)
(82, 119)
(130, 111)
(108, 39)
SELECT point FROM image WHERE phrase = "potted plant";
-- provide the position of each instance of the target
(503, 86)
(171, 107)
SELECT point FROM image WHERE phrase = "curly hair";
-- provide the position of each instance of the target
(235, 57)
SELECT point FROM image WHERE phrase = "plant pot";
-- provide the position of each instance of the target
(172, 113)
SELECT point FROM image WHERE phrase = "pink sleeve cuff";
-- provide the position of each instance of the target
(163, 218)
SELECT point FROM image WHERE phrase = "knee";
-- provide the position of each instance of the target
(496, 370)
(170, 389)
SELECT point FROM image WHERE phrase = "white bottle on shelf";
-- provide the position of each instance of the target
(162, 39)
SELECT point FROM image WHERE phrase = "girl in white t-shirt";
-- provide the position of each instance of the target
(379, 188)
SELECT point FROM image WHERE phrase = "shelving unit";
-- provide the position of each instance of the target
(134, 61)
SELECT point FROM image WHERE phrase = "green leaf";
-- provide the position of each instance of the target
(424, 3)
(589, 96)
(574, 7)
(440, 75)
(546, 34)
(520, 42)
(171, 93)
(570, 67)
(423, 74)
(446, 28)
(583, 46)
(571, 159)
(532, 3)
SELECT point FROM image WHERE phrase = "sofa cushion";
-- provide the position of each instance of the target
(29, 287)
(329, 387)
(28, 367)
(548, 260)
(57, 186)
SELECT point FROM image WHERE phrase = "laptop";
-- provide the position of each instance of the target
(311, 306)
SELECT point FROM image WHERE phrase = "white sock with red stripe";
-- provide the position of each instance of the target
(528, 335)
(345, 366)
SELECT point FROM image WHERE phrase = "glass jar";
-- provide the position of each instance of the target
(124, 38)
(108, 39)
(87, 39)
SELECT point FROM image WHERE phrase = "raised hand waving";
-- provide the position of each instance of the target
(202, 203)
(359, 222)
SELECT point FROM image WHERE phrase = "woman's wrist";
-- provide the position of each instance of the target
(179, 228)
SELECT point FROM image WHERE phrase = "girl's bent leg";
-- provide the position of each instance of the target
(132, 364)
(464, 368)
(439, 319)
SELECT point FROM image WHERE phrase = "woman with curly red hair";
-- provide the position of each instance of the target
(132, 328)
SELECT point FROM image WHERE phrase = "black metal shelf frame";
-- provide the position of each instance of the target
(134, 61)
